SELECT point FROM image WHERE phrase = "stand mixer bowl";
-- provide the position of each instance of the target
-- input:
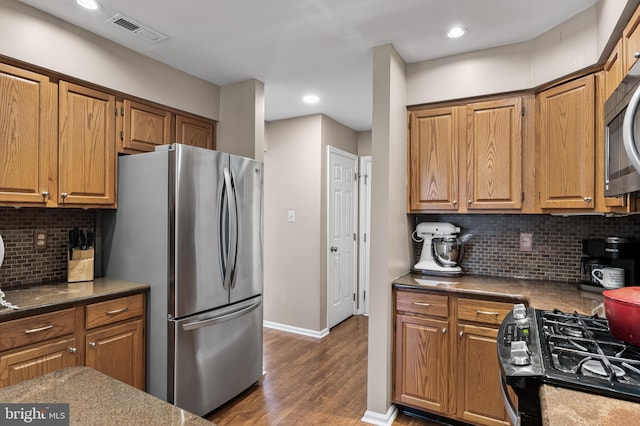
(447, 251)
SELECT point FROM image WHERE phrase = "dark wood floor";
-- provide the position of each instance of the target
(309, 381)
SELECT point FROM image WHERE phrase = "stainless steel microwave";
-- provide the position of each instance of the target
(622, 137)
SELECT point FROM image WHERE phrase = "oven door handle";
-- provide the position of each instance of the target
(628, 125)
(514, 418)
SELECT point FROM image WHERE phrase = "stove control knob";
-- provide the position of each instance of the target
(520, 353)
(519, 311)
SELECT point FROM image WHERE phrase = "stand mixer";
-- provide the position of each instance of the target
(441, 249)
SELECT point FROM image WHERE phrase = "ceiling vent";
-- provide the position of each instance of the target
(137, 28)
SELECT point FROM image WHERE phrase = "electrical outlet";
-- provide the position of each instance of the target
(291, 216)
(40, 240)
(526, 241)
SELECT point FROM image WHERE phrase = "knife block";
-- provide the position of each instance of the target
(80, 265)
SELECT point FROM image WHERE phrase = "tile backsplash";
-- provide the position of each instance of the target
(23, 265)
(494, 248)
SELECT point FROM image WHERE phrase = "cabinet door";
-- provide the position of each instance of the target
(118, 351)
(433, 159)
(25, 364)
(494, 154)
(479, 393)
(565, 146)
(422, 367)
(87, 146)
(631, 41)
(28, 136)
(144, 127)
(613, 70)
(195, 132)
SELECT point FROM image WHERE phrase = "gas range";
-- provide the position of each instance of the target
(568, 350)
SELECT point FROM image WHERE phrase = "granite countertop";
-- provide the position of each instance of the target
(539, 294)
(97, 399)
(564, 407)
(33, 300)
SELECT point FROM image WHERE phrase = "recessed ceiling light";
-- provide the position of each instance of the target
(89, 4)
(311, 99)
(456, 32)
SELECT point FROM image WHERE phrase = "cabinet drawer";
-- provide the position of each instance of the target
(37, 328)
(422, 303)
(483, 311)
(111, 311)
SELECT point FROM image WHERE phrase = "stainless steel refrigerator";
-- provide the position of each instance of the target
(189, 223)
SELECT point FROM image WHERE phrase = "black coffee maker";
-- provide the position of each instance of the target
(618, 252)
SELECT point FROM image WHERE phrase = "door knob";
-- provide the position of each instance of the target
(334, 249)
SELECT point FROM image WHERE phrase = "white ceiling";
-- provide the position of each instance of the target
(322, 46)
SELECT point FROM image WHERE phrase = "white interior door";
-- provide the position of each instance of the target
(341, 242)
(365, 232)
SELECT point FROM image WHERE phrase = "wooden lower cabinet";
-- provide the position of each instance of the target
(449, 365)
(37, 360)
(118, 351)
(422, 363)
(478, 387)
(107, 336)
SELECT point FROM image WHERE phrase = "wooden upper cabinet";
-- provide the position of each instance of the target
(631, 41)
(494, 154)
(195, 132)
(565, 145)
(144, 127)
(433, 159)
(613, 70)
(87, 150)
(28, 136)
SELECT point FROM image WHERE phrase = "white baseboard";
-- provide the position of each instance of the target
(378, 419)
(297, 330)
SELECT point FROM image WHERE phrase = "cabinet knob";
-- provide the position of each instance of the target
(636, 55)
(455, 203)
(587, 199)
(469, 202)
(444, 330)
(45, 195)
(92, 344)
(73, 350)
(64, 195)
(461, 334)
(334, 249)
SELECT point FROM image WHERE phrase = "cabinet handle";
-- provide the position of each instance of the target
(488, 313)
(92, 344)
(73, 350)
(587, 199)
(444, 330)
(118, 311)
(421, 303)
(461, 334)
(45, 195)
(36, 330)
(64, 195)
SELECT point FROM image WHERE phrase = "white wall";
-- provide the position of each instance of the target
(364, 143)
(31, 36)
(241, 127)
(571, 46)
(295, 253)
(390, 245)
(292, 254)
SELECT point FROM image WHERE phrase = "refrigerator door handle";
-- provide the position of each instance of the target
(220, 319)
(233, 230)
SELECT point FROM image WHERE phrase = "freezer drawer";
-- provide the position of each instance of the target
(217, 355)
